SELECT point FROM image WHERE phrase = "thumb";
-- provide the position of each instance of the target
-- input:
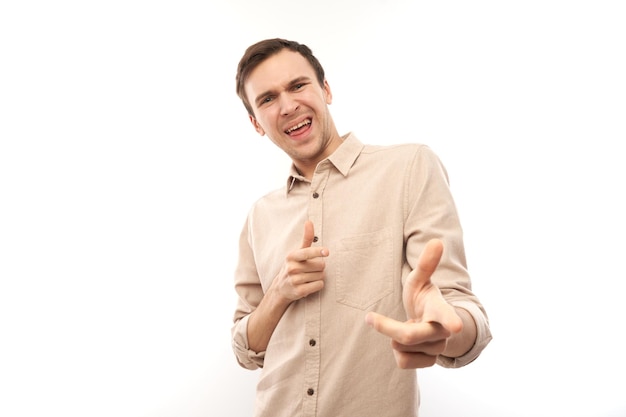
(309, 234)
(419, 279)
(430, 257)
(426, 264)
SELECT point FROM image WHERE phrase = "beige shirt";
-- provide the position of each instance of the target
(374, 207)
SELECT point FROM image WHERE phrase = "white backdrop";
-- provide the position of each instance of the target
(127, 166)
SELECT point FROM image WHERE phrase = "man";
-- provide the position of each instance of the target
(354, 273)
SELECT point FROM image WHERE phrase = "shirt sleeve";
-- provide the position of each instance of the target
(249, 295)
(431, 213)
(483, 337)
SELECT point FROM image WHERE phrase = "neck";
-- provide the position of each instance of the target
(306, 168)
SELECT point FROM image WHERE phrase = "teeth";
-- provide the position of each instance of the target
(299, 125)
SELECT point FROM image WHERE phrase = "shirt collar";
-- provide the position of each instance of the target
(343, 158)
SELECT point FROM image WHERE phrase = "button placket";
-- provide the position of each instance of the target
(312, 302)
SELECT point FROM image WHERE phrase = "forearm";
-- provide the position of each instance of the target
(461, 343)
(264, 320)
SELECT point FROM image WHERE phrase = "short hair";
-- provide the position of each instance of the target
(260, 51)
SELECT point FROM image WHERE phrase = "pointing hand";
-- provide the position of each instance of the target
(303, 271)
(431, 320)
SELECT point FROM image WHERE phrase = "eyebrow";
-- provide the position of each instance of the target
(264, 94)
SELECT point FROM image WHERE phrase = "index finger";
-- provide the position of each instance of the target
(304, 254)
(406, 333)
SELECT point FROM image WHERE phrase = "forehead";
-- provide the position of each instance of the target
(277, 71)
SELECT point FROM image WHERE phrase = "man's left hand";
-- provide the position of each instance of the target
(431, 320)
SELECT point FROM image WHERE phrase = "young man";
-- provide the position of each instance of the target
(354, 273)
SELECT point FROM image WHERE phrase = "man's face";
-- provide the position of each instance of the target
(291, 107)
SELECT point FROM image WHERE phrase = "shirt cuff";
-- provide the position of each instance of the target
(483, 337)
(246, 357)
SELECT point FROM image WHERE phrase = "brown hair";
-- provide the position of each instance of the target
(260, 51)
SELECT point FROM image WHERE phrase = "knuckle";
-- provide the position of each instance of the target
(405, 337)
(293, 268)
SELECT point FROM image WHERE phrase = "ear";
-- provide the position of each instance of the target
(327, 93)
(256, 125)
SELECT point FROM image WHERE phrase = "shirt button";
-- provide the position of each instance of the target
(310, 391)
(315, 195)
(312, 342)
(315, 239)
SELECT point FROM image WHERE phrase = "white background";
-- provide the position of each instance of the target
(127, 165)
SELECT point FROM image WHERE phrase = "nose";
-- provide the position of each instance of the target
(287, 104)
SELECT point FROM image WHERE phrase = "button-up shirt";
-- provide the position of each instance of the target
(374, 208)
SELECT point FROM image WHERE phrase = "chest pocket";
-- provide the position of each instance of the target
(364, 269)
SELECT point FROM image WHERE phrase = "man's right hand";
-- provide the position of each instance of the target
(303, 271)
(302, 274)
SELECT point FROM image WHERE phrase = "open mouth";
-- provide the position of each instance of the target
(303, 124)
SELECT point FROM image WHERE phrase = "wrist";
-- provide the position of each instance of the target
(462, 342)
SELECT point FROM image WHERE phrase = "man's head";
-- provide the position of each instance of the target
(283, 87)
(260, 51)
